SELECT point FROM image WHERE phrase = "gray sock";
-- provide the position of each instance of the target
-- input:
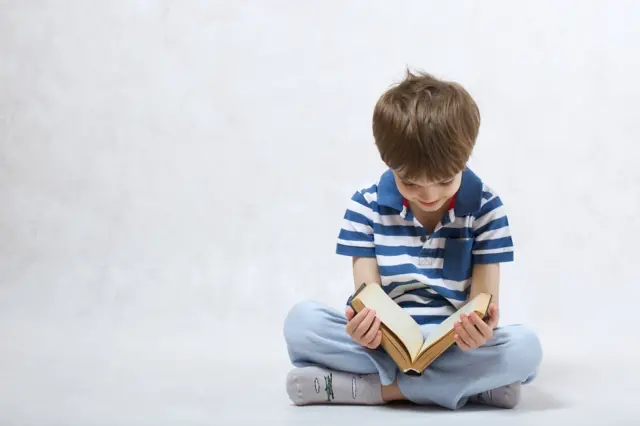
(503, 397)
(314, 385)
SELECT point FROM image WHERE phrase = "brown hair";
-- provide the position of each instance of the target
(425, 127)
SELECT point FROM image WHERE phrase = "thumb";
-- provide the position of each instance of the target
(349, 313)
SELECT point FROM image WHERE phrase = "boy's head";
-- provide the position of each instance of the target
(425, 130)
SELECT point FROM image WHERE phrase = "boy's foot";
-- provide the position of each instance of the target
(314, 385)
(503, 397)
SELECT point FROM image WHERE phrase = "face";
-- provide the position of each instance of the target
(428, 196)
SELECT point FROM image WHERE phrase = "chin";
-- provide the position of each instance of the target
(430, 208)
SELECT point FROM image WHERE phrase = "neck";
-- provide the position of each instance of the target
(429, 219)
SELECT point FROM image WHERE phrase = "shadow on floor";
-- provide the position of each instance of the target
(533, 399)
(537, 396)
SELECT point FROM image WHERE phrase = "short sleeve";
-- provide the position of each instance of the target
(356, 235)
(492, 235)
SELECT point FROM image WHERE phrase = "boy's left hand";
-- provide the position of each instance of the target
(472, 332)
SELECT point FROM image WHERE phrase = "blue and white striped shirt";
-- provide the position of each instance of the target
(429, 275)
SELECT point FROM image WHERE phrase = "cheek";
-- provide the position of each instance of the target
(450, 191)
(453, 189)
(406, 192)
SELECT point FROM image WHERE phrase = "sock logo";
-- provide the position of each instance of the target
(328, 386)
(353, 387)
(316, 384)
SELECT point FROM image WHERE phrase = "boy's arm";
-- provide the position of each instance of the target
(356, 240)
(364, 327)
(365, 270)
(486, 279)
(471, 331)
(492, 245)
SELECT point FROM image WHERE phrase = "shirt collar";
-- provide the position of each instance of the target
(468, 197)
(388, 194)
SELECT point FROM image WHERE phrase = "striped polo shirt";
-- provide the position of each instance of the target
(428, 274)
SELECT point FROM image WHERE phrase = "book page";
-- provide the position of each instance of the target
(393, 316)
(478, 303)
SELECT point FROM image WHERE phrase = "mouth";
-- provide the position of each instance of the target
(428, 204)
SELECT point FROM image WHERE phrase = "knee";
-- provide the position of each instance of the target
(304, 319)
(523, 351)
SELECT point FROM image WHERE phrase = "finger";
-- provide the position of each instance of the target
(376, 342)
(460, 342)
(372, 333)
(494, 316)
(349, 313)
(463, 335)
(356, 320)
(364, 325)
(472, 331)
(482, 326)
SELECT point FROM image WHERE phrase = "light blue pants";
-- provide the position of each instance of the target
(316, 335)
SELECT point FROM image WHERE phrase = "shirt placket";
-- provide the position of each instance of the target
(427, 239)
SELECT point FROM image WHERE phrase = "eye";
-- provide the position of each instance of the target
(446, 183)
(408, 184)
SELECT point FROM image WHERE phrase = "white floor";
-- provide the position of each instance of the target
(169, 170)
(567, 391)
(86, 375)
(586, 392)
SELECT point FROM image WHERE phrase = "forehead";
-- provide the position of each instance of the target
(423, 181)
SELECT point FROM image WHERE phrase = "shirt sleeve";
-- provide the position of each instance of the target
(492, 235)
(356, 236)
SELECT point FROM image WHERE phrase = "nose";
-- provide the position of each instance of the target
(428, 194)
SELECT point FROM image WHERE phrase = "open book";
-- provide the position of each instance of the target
(401, 335)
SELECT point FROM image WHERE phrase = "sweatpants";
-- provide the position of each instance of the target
(316, 336)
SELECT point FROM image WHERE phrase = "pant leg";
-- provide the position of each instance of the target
(512, 355)
(316, 335)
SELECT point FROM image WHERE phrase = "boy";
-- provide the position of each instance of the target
(432, 235)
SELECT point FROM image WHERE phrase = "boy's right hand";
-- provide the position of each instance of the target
(364, 327)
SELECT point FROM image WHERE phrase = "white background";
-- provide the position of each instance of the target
(173, 177)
